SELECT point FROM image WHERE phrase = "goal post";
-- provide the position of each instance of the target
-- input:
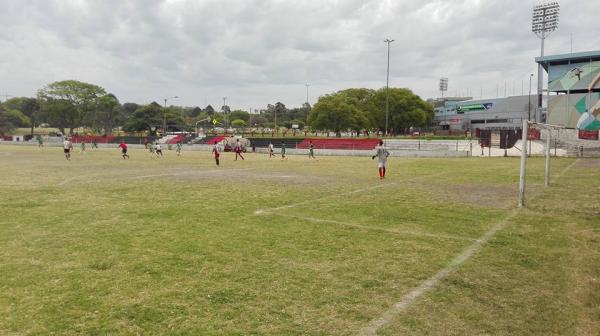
(524, 155)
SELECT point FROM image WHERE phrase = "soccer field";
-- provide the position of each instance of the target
(104, 246)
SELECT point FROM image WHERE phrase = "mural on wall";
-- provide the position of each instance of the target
(581, 110)
(572, 111)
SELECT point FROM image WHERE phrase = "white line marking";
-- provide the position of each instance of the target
(65, 181)
(372, 228)
(293, 205)
(408, 299)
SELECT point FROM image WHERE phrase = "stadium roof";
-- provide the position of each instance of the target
(585, 56)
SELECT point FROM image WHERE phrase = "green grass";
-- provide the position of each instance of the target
(104, 246)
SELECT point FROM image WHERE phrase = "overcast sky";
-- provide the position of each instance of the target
(256, 52)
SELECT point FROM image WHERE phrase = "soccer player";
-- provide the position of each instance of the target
(238, 149)
(311, 150)
(94, 144)
(67, 145)
(158, 149)
(83, 147)
(123, 147)
(216, 153)
(283, 157)
(271, 150)
(178, 148)
(381, 153)
(40, 141)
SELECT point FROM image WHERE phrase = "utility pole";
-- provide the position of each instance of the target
(387, 87)
(165, 113)
(225, 112)
(307, 86)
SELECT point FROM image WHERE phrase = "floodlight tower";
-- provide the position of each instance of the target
(544, 22)
(443, 85)
(387, 86)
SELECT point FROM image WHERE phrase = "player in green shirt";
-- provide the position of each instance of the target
(94, 144)
(83, 147)
(178, 148)
(311, 151)
(40, 141)
(283, 157)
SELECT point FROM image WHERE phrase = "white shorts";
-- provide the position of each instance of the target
(381, 164)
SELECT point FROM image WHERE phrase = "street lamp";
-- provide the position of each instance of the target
(165, 113)
(529, 106)
(225, 113)
(387, 86)
(307, 86)
(544, 21)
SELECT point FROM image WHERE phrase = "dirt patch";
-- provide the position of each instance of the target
(252, 175)
(491, 196)
(588, 163)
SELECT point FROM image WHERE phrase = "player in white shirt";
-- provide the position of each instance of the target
(271, 150)
(67, 146)
(158, 149)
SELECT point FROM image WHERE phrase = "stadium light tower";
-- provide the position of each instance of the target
(544, 22)
(443, 85)
(387, 86)
(165, 113)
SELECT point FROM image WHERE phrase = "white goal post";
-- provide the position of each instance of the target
(524, 155)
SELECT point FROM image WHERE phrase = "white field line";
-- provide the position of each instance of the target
(367, 227)
(408, 299)
(293, 205)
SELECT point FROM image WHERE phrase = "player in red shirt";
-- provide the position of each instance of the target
(216, 153)
(123, 147)
(238, 149)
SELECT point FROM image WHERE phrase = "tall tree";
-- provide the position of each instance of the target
(83, 97)
(110, 113)
(145, 118)
(406, 109)
(343, 110)
(5, 124)
(26, 105)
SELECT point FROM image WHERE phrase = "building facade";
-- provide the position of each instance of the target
(465, 114)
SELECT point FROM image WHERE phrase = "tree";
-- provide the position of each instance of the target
(257, 120)
(5, 124)
(83, 98)
(17, 118)
(406, 109)
(209, 110)
(195, 112)
(342, 110)
(110, 112)
(129, 109)
(239, 114)
(145, 118)
(238, 123)
(59, 113)
(27, 106)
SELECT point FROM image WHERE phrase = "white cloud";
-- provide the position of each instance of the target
(261, 51)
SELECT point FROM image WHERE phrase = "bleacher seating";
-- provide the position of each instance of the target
(211, 140)
(324, 143)
(176, 139)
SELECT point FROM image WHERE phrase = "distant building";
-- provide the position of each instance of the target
(465, 114)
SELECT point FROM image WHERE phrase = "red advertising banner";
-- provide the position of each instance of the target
(533, 134)
(588, 135)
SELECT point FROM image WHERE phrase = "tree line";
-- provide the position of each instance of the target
(68, 105)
